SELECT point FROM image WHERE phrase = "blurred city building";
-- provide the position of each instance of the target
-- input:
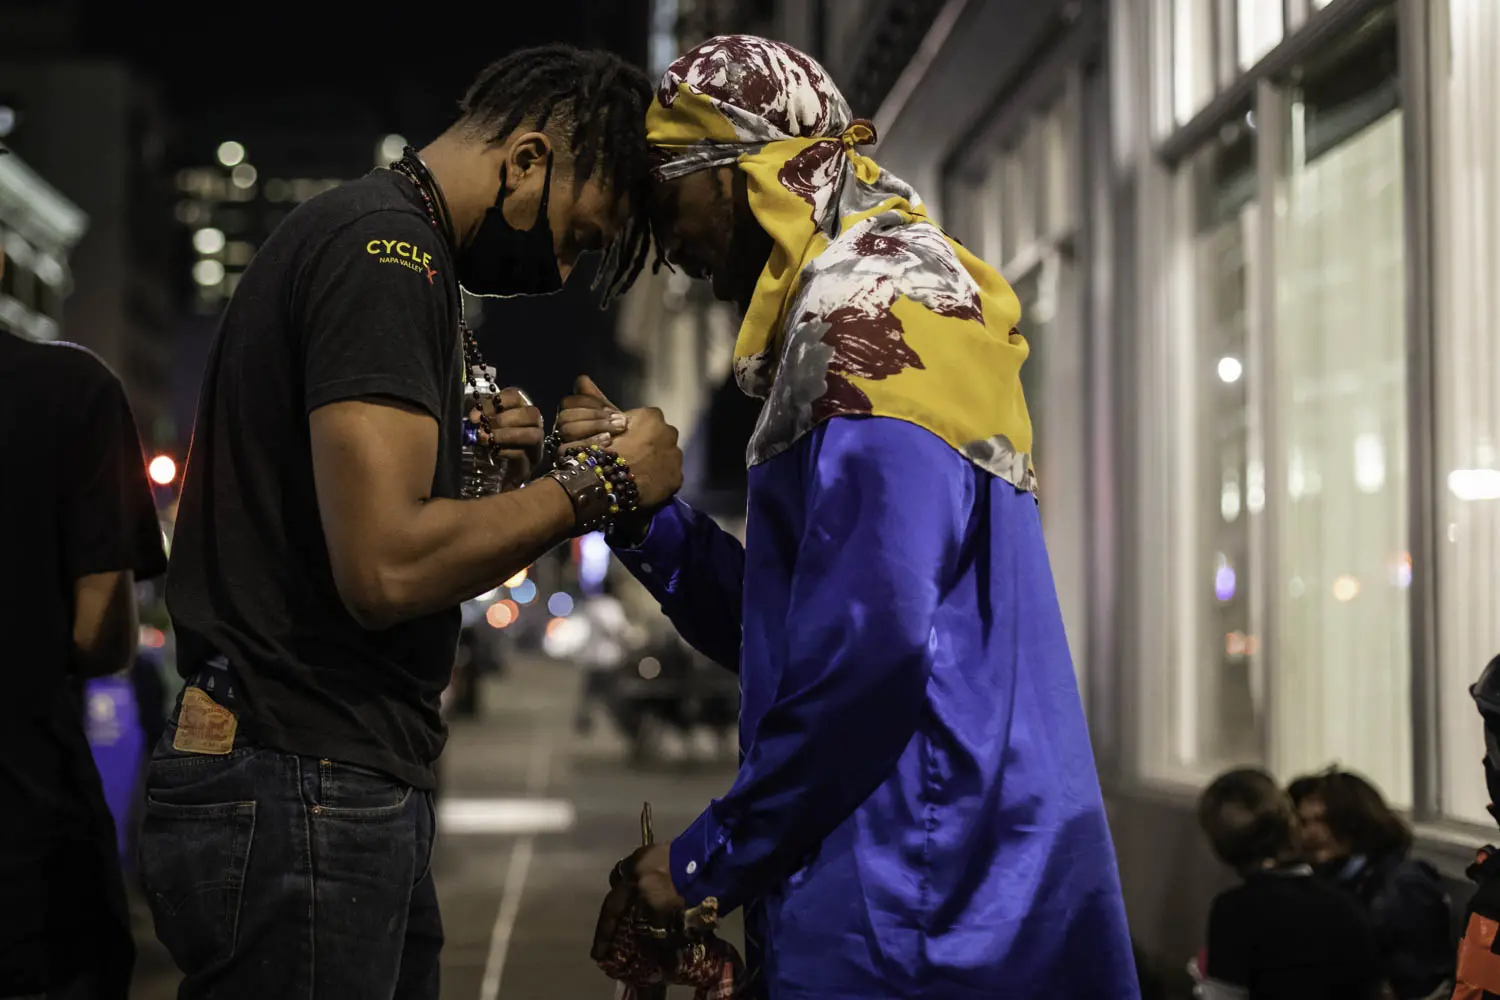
(1255, 243)
(38, 229)
(241, 179)
(100, 134)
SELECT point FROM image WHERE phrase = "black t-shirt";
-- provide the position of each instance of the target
(1287, 935)
(74, 501)
(352, 297)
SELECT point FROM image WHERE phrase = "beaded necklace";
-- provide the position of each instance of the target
(478, 376)
(599, 482)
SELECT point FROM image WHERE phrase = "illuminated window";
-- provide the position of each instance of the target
(1260, 29)
(1192, 57)
(1343, 648)
(1206, 708)
(1285, 491)
(1467, 392)
(238, 253)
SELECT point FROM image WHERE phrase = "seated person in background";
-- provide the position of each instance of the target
(1282, 934)
(1478, 974)
(1354, 839)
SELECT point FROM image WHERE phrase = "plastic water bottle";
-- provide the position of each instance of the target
(483, 468)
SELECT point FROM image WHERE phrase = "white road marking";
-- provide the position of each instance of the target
(521, 855)
(505, 919)
(511, 817)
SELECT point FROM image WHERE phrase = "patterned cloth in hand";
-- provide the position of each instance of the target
(636, 958)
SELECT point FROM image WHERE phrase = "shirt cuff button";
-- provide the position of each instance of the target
(692, 866)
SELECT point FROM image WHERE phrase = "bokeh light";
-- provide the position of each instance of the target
(1224, 583)
(162, 470)
(560, 604)
(208, 240)
(1345, 588)
(502, 613)
(593, 562)
(208, 273)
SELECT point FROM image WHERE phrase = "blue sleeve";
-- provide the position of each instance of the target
(696, 571)
(886, 506)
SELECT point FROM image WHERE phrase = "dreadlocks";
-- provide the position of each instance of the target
(599, 101)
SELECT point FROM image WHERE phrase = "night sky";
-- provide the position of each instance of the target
(393, 57)
(316, 74)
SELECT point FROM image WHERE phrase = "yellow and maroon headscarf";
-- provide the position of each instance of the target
(865, 307)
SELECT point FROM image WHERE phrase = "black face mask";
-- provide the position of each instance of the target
(503, 260)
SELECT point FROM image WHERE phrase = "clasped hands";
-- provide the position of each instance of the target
(642, 437)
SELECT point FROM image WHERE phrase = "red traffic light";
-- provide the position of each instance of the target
(162, 470)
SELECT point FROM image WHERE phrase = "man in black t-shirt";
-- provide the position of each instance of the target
(321, 554)
(1282, 934)
(78, 528)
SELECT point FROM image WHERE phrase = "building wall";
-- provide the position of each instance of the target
(38, 230)
(99, 134)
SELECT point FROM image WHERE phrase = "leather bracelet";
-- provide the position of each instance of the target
(600, 485)
(588, 493)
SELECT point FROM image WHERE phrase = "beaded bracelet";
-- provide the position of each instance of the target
(600, 485)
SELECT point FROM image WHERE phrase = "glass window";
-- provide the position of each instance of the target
(1036, 318)
(1260, 28)
(993, 247)
(964, 210)
(1053, 380)
(1192, 57)
(1057, 156)
(1466, 183)
(1343, 652)
(1213, 693)
(1018, 207)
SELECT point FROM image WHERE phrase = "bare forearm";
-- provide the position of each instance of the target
(450, 550)
(105, 624)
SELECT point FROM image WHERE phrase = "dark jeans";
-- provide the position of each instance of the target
(271, 875)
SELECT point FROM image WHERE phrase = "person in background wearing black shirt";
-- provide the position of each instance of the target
(79, 528)
(1355, 840)
(321, 554)
(1282, 934)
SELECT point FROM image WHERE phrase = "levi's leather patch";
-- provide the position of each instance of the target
(203, 725)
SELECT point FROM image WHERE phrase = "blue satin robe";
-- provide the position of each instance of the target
(917, 812)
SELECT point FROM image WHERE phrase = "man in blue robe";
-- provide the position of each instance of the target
(917, 812)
